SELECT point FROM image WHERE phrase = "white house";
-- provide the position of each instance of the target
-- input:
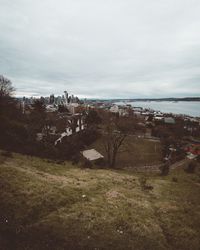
(72, 107)
(114, 109)
(79, 126)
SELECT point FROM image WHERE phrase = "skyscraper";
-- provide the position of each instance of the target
(66, 97)
(52, 99)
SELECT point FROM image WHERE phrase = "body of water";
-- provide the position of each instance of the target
(186, 108)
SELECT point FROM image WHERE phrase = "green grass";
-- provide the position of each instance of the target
(44, 205)
(135, 152)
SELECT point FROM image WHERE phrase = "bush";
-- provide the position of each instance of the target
(143, 183)
(100, 163)
(60, 162)
(174, 179)
(89, 136)
(191, 167)
(7, 154)
(87, 164)
(69, 147)
(75, 159)
(164, 168)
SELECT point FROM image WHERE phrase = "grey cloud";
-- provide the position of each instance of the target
(108, 48)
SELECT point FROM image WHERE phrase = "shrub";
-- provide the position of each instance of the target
(164, 168)
(89, 136)
(100, 162)
(143, 183)
(75, 159)
(7, 154)
(87, 164)
(174, 179)
(191, 167)
(61, 162)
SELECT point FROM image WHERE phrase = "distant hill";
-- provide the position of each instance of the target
(170, 99)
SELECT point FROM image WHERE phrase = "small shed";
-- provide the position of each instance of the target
(92, 155)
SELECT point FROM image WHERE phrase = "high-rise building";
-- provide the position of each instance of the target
(52, 99)
(66, 97)
(59, 100)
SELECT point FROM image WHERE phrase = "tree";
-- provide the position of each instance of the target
(39, 106)
(191, 167)
(114, 135)
(6, 88)
(37, 118)
(49, 122)
(93, 118)
(165, 168)
(62, 109)
(13, 132)
(6, 102)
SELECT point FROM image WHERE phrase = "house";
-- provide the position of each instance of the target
(73, 108)
(74, 124)
(169, 120)
(51, 108)
(137, 109)
(39, 137)
(137, 114)
(123, 112)
(193, 149)
(114, 109)
(158, 117)
(49, 129)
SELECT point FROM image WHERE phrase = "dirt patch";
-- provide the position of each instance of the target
(113, 194)
(166, 207)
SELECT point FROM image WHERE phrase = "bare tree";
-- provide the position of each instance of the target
(7, 103)
(114, 135)
(6, 88)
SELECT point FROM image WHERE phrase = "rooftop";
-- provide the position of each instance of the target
(169, 120)
(92, 154)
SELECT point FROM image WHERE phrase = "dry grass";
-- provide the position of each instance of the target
(49, 206)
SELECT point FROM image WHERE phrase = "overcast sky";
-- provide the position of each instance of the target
(101, 48)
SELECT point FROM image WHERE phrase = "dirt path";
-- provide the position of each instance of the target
(43, 176)
(73, 180)
(156, 168)
(178, 163)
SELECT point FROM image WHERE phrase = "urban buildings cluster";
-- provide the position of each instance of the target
(73, 110)
(53, 100)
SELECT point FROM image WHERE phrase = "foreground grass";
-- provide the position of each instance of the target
(44, 205)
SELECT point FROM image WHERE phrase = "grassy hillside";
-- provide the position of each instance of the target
(44, 205)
